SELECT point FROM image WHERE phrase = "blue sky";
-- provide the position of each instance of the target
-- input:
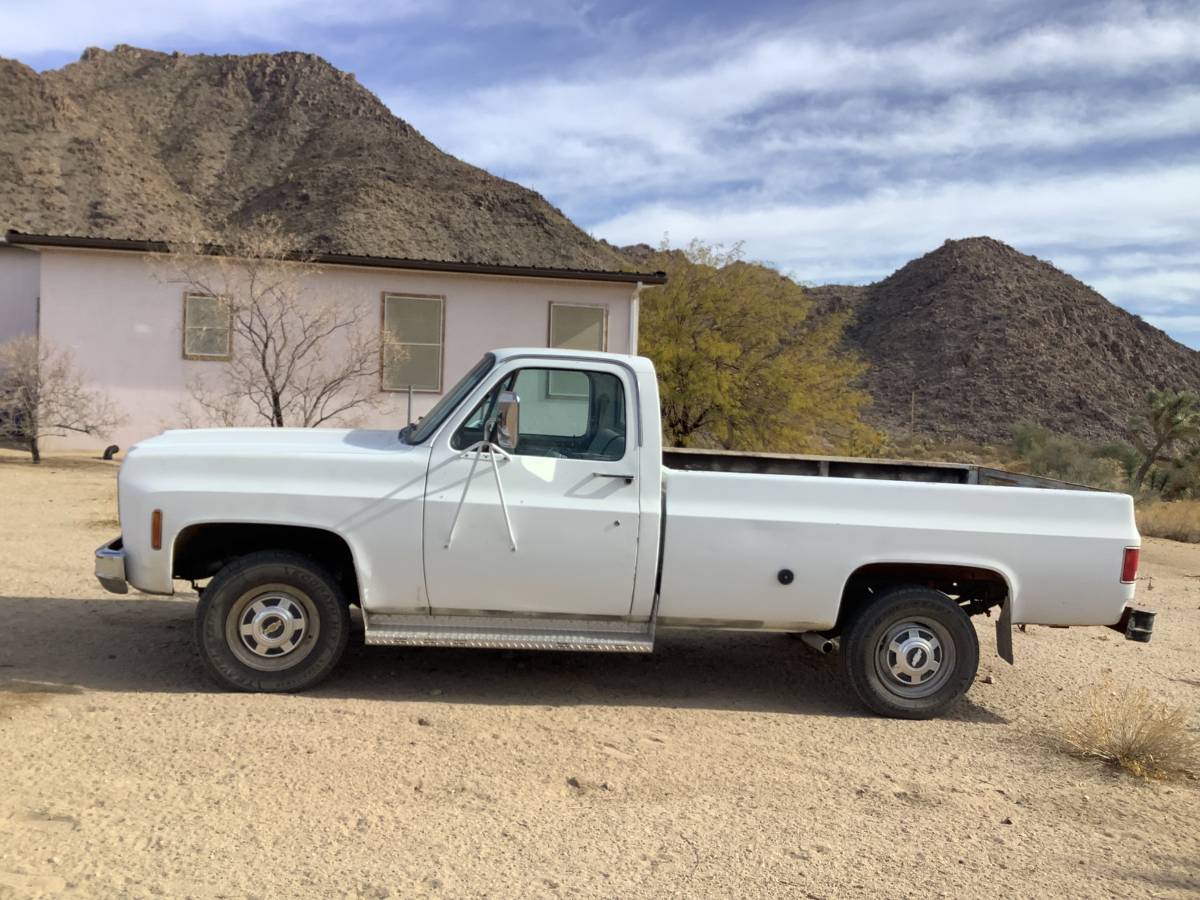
(836, 140)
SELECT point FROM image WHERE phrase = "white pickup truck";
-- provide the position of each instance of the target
(534, 507)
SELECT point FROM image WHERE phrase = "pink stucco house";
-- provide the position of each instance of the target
(135, 334)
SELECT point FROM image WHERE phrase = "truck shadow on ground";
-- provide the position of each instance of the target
(146, 645)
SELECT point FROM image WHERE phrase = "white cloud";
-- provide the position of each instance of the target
(814, 240)
(840, 157)
(1185, 324)
(1159, 288)
(70, 25)
(691, 114)
(1125, 261)
(838, 146)
(976, 124)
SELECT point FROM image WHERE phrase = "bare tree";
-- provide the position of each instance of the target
(294, 358)
(42, 395)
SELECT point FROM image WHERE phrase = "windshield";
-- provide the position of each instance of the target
(418, 433)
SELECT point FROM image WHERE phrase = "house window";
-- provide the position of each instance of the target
(575, 328)
(207, 327)
(578, 327)
(412, 342)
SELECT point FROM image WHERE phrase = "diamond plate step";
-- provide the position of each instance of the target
(511, 633)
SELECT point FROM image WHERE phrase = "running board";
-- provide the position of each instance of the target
(510, 633)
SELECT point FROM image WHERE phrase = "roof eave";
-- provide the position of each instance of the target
(17, 238)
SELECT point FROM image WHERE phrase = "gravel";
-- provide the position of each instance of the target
(722, 765)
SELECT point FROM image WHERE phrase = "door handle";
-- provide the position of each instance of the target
(628, 478)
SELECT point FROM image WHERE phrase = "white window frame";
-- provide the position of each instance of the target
(384, 334)
(207, 357)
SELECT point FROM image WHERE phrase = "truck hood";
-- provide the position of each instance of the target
(344, 481)
(254, 441)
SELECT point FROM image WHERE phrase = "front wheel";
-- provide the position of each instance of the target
(272, 621)
(911, 653)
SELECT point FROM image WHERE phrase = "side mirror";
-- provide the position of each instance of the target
(505, 429)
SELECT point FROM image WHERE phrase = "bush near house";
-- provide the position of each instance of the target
(743, 364)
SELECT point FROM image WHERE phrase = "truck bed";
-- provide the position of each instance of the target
(693, 460)
(728, 536)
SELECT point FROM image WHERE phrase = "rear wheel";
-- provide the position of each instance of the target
(272, 621)
(911, 653)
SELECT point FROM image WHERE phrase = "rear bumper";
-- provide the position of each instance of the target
(1136, 624)
(110, 567)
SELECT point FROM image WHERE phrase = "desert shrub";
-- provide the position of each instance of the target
(1034, 450)
(1126, 457)
(1040, 452)
(1177, 520)
(960, 451)
(1027, 437)
(1068, 460)
(1133, 731)
(1176, 479)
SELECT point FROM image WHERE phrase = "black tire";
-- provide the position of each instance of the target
(268, 597)
(935, 670)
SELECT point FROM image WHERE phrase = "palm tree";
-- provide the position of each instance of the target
(1173, 417)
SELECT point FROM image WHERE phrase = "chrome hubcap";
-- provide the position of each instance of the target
(914, 658)
(272, 627)
(914, 655)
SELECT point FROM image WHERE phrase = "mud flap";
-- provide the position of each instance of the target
(1004, 633)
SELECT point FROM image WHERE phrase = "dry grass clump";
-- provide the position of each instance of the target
(1133, 731)
(1178, 520)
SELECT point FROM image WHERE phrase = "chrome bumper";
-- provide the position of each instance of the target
(110, 567)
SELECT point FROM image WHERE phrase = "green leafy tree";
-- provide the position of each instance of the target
(743, 364)
(1172, 420)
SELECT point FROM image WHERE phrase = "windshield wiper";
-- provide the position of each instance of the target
(406, 431)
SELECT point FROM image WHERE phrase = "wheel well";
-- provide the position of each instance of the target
(976, 589)
(203, 550)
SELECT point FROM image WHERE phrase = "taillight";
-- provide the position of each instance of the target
(156, 531)
(1129, 565)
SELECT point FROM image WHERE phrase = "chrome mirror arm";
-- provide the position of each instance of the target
(492, 451)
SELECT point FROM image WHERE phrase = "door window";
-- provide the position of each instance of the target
(565, 413)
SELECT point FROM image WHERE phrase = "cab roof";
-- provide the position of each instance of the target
(637, 363)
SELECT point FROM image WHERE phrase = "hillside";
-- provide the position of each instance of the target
(973, 337)
(976, 337)
(136, 143)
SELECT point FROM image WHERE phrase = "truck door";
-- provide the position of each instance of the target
(570, 489)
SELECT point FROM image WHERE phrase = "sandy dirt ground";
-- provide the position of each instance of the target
(722, 765)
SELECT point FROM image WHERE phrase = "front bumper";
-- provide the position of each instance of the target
(110, 567)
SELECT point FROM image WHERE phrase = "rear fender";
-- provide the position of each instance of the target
(925, 569)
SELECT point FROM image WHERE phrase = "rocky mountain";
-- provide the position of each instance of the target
(136, 143)
(964, 342)
(975, 337)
